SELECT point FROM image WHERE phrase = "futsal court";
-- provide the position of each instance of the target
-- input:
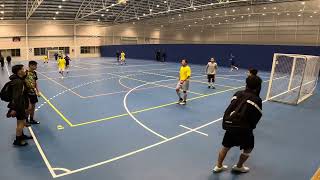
(116, 114)
(105, 121)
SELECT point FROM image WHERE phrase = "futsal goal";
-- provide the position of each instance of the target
(51, 54)
(294, 78)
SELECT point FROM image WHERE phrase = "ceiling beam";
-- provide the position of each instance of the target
(34, 6)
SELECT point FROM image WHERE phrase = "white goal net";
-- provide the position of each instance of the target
(293, 78)
(51, 54)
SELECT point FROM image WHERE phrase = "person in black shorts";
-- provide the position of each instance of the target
(1, 61)
(32, 90)
(242, 136)
(19, 104)
(9, 60)
(118, 56)
(67, 58)
(254, 72)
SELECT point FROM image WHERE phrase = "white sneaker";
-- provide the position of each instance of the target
(217, 169)
(243, 169)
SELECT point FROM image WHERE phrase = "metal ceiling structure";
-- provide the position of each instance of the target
(115, 12)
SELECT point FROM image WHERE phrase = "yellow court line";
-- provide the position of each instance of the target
(151, 108)
(316, 176)
(56, 110)
(61, 85)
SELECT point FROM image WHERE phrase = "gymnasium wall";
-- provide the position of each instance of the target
(43, 34)
(258, 56)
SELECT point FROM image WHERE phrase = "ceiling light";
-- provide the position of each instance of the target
(1, 18)
(209, 16)
(144, 14)
(150, 10)
(138, 18)
(102, 15)
(270, 0)
(196, 22)
(59, 6)
(311, 16)
(57, 12)
(299, 15)
(263, 14)
(249, 15)
(112, 4)
(63, 0)
(202, 19)
(242, 17)
(315, 12)
(164, 1)
(189, 25)
(233, 18)
(98, 20)
(2, 5)
(219, 22)
(172, 18)
(107, 10)
(217, 14)
(300, 10)
(194, 8)
(158, 5)
(54, 18)
(179, 15)
(288, 14)
(248, 9)
(274, 8)
(278, 14)
(233, 10)
(264, 8)
(303, 3)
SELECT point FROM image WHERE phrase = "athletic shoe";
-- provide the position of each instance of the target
(34, 122)
(183, 103)
(180, 100)
(213, 87)
(25, 137)
(217, 169)
(243, 169)
(209, 87)
(19, 143)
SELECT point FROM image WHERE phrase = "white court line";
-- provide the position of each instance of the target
(109, 67)
(130, 114)
(194, 130)
(143, 149)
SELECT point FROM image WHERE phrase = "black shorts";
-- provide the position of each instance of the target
(20, 116)
(244, 139)
(211, 76)
(33, 99)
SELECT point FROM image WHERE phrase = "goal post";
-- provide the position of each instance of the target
(51, 54)
(293, 78)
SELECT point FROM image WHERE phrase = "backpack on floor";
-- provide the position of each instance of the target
(6, 92)
(235, 116)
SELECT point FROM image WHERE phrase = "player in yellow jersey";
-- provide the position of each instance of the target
(45, 59)
(183, 83)
(123, 58)
(61, 65)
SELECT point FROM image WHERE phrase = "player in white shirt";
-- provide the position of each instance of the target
(211, 70)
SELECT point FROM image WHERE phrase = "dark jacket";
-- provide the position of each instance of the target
(20, 100)
(1, 60)
(9, 59)
(254, 110)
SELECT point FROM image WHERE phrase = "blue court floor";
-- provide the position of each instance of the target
(106, 121)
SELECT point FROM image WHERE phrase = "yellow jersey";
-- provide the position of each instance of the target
(45, 58)
(123, 56)
(61, 62)
(185, 72)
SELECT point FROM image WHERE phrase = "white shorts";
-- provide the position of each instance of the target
(61, 69)
(184, 86)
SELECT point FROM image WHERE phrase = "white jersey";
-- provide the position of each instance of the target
(211, 68)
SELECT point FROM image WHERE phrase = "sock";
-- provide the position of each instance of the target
(185, 96)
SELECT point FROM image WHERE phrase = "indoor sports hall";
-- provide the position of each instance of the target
(108, 77)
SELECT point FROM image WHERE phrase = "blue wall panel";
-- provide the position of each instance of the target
(258, 56)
